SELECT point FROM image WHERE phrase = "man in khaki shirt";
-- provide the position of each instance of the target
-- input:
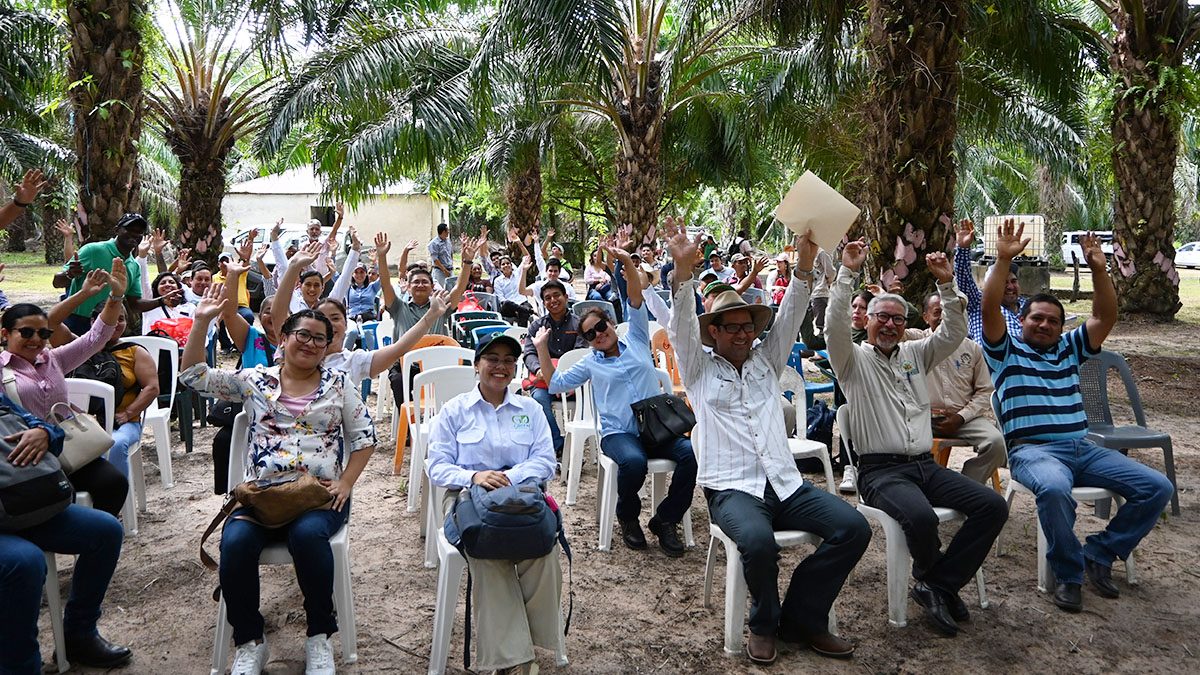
(960, 391)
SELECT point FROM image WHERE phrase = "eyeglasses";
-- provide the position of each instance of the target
(733, 328)
(305, 337)
(896, 319)
(493, 361)
(600, 327)
(27, 332)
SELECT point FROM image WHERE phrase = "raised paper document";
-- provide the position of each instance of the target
(812, 206)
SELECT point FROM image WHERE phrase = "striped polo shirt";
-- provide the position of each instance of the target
(1039, 390)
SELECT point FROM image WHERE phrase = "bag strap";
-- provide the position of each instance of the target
(226, 510)
(10, 386)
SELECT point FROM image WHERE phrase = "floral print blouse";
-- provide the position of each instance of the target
(314, 441)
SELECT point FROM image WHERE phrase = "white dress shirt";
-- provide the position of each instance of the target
(739, 439)
(469, 435)
(507, 287)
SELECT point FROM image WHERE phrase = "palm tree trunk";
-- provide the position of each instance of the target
(523, 196)
(1145, 144)
(639, 159)
(201, 191)
(914, 48)
(106, 63)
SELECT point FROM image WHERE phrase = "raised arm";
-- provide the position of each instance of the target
(342, 286)
(27, 191)
(158, 241)
(633, 282)
(67, 230)
(237, 327)
(95, 282)
(287, 285)
(1104, 296)
(964, 236)
(209, 307)
(382, 246)
(383, 359)
(837, 314)
(683, 326)
(464, 277)
(746, 284)
(522, 274)
(782, 336)
(1009, 244)
(953, 329)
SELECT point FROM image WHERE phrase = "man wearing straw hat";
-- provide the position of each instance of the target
(745, 465)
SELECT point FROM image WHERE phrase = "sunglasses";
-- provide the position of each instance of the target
(600, 327)
(27, 332)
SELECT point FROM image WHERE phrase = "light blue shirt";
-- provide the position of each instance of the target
(617, 382)
(470, 435)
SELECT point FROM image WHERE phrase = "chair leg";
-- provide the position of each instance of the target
(735, 601)
(416, 475)
(1169, 465)
(983, 599)
(709, 565)
(450, 578)
(1043, 574)
(137, 479)
(608, 507)
(129, 509)
(687, 529)
(430, 510)
(1008, 498)
(224, 633)
(54, 604)
(996, 481)
(575, 465)
(899, 565)
(343, 593)
(162, 443)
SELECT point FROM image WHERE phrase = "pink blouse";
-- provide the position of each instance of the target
(43, 383)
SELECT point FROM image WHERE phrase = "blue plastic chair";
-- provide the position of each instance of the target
(478, 333)
(811, 389)
(370, 341)
(466, 336)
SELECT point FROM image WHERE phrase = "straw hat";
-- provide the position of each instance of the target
(727, 302)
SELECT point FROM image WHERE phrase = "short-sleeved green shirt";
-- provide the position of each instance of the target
(98, 256)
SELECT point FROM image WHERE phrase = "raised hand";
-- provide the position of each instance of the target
(806, 251)
(355, 244)
(247, 248)
(1009, 242)
(382, 245)
(468, 249)
(525, 262)
(74, 267)
(550, 234)
(307, 254)
(439, 301)
(143, 247)
(340, 209)
(158, 240)
(118, 277)
(624, 237)
(854, 254)
(411, 245)
(874, 289)
(277, 230)
(236, 268)
(940, 266)
(965, 234)
(542, 339)
(896, 287)
(511, 235)
(759, 265)
(95, 282)
(184, 257)
(262, 251)
(1092, 252)
(67, 230)
(684, 251)
(211, 305)
(29, 187)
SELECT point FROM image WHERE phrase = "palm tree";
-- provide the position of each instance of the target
(1149, 56)
(105, 70)
(212, 99)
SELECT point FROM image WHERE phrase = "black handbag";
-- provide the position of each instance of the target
(663, 418)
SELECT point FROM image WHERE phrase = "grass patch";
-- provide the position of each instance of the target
(27, 273)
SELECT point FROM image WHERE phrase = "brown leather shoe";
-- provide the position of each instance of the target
(761, 649)
(828, 644)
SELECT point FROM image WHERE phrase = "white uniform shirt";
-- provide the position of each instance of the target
(740, 439)
(506, 287)
(470, 435)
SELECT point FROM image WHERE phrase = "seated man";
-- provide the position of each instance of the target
(960, 390)
(1037, 378)
(746, 467)
(564, 336)
(884, 381)
(1011, 305)
(553, 270)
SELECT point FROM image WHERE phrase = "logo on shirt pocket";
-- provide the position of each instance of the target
(520, 422)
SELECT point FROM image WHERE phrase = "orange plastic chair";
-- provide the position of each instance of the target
(405, 410)
(941, 455)
(660, 344)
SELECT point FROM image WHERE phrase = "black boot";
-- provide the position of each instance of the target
(96, 652)
(668, 537)
(632, 535)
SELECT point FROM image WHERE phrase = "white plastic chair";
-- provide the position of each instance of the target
(165, 353)
(899, 559)
(656, 471)
(277, 554)
(622, 329)
(451, 566)
(1045, 578)
(54, 598)
(429, 358)
(80, 393)
(383, 400)
(579, 424)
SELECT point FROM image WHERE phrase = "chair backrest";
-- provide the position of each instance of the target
(369, 332)
(755, 296)
(383, 332)
(81, 392)
(437, 386)
(584, 305)
(664, 353)
(165, 353)
(1093, 384)
(451, 282)
(622, 329)
(239, 450)
(842, 416)
(664, 381)
(653, 327)
(459, 317)
(433, 357)
(583, 408)
(518, 333)
(488, 300)
(477, 333)
(466, 328)
(434, 341)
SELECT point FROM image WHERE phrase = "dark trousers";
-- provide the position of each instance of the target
(909, 491)
(104, 482)
(630, 455)
(78, 324)
(751, 523)
(521, 312)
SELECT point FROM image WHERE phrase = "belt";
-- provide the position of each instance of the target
(883, 458)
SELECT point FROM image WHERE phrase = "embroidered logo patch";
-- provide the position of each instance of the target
(909, 368)
(520, 422)
(965, 359)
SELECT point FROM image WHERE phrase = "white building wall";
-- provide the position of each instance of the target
(402, 217)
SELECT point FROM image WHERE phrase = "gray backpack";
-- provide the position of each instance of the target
(30, 494)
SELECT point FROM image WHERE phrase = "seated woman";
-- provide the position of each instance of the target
(93, 535)
(622, 373)
(492, 437)
(139, 382)
(34, 370)
(477, 283)
(302, 417)
(598, 277)
(777, 281)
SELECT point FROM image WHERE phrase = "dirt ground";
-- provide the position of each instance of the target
(640, 612)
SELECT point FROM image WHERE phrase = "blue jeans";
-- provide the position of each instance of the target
(627, 451)
(751, 524)
(307, 538)
(546, 400)
(124, 437)
(95, 537)
(1050, 470)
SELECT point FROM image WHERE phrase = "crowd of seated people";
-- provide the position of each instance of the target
(298, 360)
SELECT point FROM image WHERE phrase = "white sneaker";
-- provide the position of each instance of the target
(318, 651)
(849, 480)
(250, 658)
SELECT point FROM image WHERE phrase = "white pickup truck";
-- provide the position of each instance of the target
(1071, 251)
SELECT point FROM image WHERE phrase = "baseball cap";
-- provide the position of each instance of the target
(716, 287)
(738, 257)
(707, 274)
(497, 339)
